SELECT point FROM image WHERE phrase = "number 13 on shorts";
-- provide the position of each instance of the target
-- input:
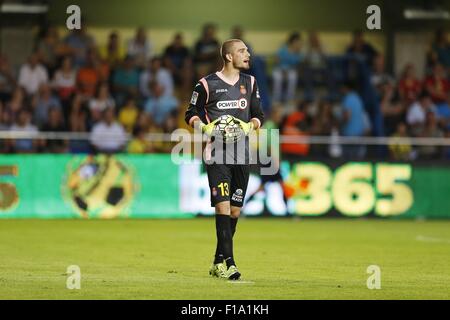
(224, 189)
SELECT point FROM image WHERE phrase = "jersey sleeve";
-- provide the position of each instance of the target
(255, 106)
(196, 104)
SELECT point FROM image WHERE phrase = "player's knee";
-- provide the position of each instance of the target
(223, 208)
(235, 212)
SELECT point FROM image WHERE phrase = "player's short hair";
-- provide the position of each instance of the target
(226, 48)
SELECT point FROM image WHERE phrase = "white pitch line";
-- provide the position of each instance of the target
(241, 282)
(432, 239)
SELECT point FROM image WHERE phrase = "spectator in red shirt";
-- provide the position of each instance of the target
(437, 84)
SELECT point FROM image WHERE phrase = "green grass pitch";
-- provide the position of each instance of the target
(279, 259)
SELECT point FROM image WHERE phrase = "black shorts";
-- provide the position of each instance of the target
(228, 182)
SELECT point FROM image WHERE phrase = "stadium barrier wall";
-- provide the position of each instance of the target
(152, 186)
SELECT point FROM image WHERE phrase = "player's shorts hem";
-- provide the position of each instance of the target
(236, 204)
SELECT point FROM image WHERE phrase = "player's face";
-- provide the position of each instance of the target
(241, 56)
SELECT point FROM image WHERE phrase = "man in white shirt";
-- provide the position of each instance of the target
(416, 114)
(32, 75)
(108, 136)
(155, 72)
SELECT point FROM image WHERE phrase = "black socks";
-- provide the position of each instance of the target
(225, 229)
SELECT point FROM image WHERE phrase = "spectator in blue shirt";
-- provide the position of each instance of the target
(355, 121)
(440, 50)
(78, 43)
(42, 103)
(126, 81)
(159, 106)
(287, 63)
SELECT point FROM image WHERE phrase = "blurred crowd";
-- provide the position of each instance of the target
(71, 84)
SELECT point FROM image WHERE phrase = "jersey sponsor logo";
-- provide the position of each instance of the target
(243, 90)
(221, 90)
(232, 104)
(194, 97)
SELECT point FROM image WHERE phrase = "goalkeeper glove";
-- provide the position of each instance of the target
(208, 128)
(247, 127)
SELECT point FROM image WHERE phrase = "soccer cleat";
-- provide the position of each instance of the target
(232, 273)
(218, 270)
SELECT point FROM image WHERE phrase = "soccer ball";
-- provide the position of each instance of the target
(228, 129)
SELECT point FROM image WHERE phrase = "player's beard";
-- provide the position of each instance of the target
(242, 66)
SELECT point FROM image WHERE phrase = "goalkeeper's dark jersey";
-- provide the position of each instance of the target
(215, 96)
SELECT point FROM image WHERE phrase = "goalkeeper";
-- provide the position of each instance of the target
(227, 92)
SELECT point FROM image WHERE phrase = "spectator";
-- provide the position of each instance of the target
(430, 130)
(49, 49)
(7, 79)
(324, 121)
(78, 122)
(108, 136)
(272, 123)
(101, 102)
(392, 109)
(65, 79)
(354, 121)
(140, 49)
(55, 123)
(42, 103)
(416, 114)
(379, 76)
(23, 124)
(237, 32)
(296, 125)
(143, 121)
(206, 52)
(398, 148)
(361, 48)
(159, 106)
(170, 125)
(437, 84)
(113, 52)
(315, 67)
(178, 61)
(409, 86)
(440, 50)
(139, 143)
(128, 114)
(287, 64)
(88, 76)
(159, 74)
(4, 126)
(18, 102)
(78, 43)
(125, 81)
(32, 75)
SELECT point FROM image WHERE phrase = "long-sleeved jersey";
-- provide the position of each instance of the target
(215, 96)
